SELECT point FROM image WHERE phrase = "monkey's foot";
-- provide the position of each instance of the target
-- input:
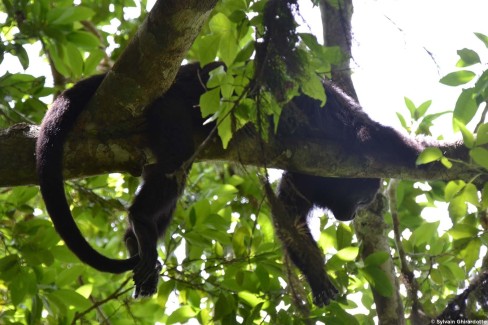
(323, 292)
(146, 280)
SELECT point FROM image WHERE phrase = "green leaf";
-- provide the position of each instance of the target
(92, 62)
(208, 47)
(68, 15)
(458, 78)
(344, 236)
(57, 54)
(452, 189)
(422, 109)
(22, 194)
(348, 254)
(35, 255)
(239, 240)
(480, 156)
(378, 280)
(223, 306)
(224, 127)
(482, 38)
(467, 57)
(228, 45)
(228, 48)
(17, 289)
(74, 59)
(411, 106)
(446, 163)
(425, 233)
(246, 52)
(85, 290)
(210, 102)
(429, 155)
(484, 197)
(250, 298)
(9, 267)
(402, 120)
(457, 208)
(470, 194)
(25, 284)
(377, 259)
(69, 276)
(220, 24)
(461, 231)
(310, 41)
(181, 315)
(21, 55)
(471, 253)
(466, 106)
(482, 135)
(468, 137)
(227, 87)
(83, 39)
(313, 87)
(72, 298)
(36, 310)
(454, 271)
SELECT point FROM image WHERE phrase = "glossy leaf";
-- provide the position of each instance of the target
(429, 155)
(480, 156)
(467, 57)
(466, 106)
(458, 78)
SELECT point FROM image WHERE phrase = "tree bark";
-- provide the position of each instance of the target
(90, 154)
(369, 224)
(371, 230)
(148, 65)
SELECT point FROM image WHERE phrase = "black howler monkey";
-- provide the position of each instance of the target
(170, 138)
(344, 120)
(170, 133)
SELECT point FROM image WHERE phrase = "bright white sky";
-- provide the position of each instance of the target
(390, 43)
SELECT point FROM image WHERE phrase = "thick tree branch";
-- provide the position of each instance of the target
(127, 152)
(148, 65)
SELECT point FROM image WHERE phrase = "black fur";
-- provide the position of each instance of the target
(172, 120)
(343, 120)
(55, 127)
(162, 183)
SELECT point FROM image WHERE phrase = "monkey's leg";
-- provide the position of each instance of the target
(290, 209)
(149, 216)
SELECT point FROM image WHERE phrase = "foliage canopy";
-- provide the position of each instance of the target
(222, 263)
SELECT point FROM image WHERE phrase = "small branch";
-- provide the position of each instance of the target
(417, 315)
(456, 309)
(117, 293)
(370, 227)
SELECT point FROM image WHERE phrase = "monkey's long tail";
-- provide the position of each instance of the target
(55, 128)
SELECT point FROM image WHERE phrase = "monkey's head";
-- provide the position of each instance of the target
(342, 196)
(348, 195)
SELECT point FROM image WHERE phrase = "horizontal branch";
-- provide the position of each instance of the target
(87, 155)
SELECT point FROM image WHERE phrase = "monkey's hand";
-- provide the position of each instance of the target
(323, 290)
(146, 279)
